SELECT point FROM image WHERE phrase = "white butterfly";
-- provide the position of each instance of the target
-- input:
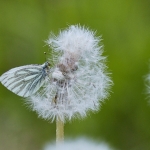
(25, 80)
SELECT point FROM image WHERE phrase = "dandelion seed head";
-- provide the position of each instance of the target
(147, 82)
(78, 82)
(79, 144)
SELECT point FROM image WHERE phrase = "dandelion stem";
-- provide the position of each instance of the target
(59, 131)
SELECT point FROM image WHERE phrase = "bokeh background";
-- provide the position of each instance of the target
(124, 119)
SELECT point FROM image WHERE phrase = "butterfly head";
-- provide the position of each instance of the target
(46, 65)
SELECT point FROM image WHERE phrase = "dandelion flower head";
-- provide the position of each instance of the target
(79, 144)
(77, 81)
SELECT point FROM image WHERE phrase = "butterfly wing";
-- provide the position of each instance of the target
(25, 80)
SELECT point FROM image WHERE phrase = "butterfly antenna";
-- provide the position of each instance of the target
(45, 56)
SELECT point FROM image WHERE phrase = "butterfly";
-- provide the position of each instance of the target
(25, 80)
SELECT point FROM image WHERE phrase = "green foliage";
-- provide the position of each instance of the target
(125, 27)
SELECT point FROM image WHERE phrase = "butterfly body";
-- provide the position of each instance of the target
(25, 80)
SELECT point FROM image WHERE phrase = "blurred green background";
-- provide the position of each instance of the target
(124, 120)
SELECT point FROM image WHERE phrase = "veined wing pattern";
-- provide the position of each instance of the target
(25, 80)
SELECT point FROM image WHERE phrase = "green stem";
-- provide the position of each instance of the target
(59, 131)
